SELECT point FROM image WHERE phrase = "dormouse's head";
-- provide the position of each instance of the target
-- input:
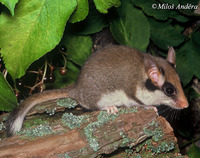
(163, 78)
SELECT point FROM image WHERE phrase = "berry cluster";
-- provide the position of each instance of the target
(35, 81)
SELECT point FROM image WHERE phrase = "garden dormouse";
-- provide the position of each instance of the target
(112, 77)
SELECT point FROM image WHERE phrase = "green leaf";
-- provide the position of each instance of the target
(7, 97)
(81, 11)
(36, 28)
(93, 23)
(185, 3)
(103, 5)
(157, 9)
(10, 4)
(78, 48)
(164, 34)
(196, 45)
(175, 2)
(190, 93)
(131, 28)
(64, 80)
(72, 74)
(148, 8)
(193, 151)
(188, 58)
(196, 41)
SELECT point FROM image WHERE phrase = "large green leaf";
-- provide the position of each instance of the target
(188, 58)
(93, 23)
(72, 74)
(193, 151)
(81, 11)
(64, 80)
(186, 4)
(131, 28)
(10, 4)
(165, 34)
(7, 97)
(36, 28)
(103, 5)
(78, 48)
(160, 10)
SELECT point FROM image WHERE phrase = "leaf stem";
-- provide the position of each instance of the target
(63, 55)
(5, 72)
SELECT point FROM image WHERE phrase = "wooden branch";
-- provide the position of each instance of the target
(130, 132)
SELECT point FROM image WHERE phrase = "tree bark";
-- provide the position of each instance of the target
(132, 132)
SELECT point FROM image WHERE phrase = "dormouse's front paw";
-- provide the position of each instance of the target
(111, 109)
(153, 108)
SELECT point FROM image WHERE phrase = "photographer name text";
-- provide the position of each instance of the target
(166, 6)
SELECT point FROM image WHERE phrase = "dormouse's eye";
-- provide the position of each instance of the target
(169, 89)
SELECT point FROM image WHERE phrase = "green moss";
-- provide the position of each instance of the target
(153, 123)
(164, 147)
(73, 121)
(126, 140)
(156, 133)
(83, 149)
(40, 108)
(34, 122)
(129, 151)
(2, 126)
(102, 119)
(115, 145)
(40, 121)
(67, 156)
(90, 137)
(51, 111)
(137, 156)
(67, 102)
(39, 131)
(157, 136)
(128, 110)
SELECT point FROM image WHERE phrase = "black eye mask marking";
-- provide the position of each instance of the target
(150, 86)
(169, 89)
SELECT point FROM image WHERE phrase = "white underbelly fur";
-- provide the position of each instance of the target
(116, 98)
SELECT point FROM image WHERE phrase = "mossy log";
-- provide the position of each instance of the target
(132, 132)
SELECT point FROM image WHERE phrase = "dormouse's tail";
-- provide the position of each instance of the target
(15, 119)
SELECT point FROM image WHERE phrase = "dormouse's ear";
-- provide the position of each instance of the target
(153, 71)
(171, 56)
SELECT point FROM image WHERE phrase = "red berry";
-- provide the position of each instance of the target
(63, 48)
(19, 84)
(63, 71)
(45, 79)
(51, 79)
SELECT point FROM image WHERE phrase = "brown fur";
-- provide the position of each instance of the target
(107, 74)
